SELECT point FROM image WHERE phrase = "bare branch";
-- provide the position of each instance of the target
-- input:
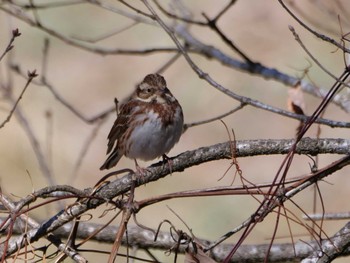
(297, 38)
(332, 249)
(257, 68)
(144, 239)
(318, 35)
(183, 19)
(31, 76)
(43, 164)
(212, 24)
(179, 163)
(52, 4)
(328, 216)
(193, 124)
(102, 51)
(107, 35)
(212, 82)
(44, 82)
(15, 34)
(25, 221)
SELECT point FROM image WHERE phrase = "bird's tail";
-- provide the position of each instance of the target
(112, 160)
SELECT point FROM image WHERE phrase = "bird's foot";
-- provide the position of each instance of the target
(141, 171)
(169, 161)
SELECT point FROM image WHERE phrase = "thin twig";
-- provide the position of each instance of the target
(225, 9)
(107, 35)
(170, 62)
(297, 38)
(99, 50)
(212, 23)
(84, 150)
(197, 123)
(183, 19)
(128, 211)
(31, 223)
(15, 33)
(320, 36)
(31, 76)
(44, 82)
(51, 4)
(138, 11)
(35, 12)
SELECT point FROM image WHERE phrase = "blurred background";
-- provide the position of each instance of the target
(89, 82)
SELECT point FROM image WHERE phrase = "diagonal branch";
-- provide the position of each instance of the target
(333, 248)
(258, 69)
(15, 33)
(31, 76)
(318, 35)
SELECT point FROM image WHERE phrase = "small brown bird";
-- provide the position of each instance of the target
(148, 125)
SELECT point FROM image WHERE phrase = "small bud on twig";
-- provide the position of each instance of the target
(32, 74)
(16, 33)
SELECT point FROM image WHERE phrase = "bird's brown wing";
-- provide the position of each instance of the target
(118, 128)
(120, 125)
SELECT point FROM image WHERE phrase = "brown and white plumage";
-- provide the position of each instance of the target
(148, 125)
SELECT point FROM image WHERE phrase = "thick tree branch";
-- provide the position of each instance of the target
(179, 163)
(331, 249)
(144, 239)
